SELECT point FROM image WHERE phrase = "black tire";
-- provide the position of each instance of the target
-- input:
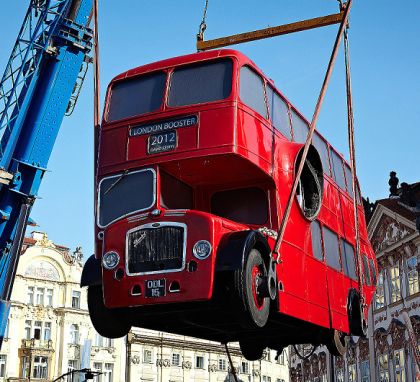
(251, 350)
(253, 310)
(337, 343)
(109, 323)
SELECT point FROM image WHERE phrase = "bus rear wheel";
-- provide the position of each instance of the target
(109, 323)
(337, 343)
(254, 307)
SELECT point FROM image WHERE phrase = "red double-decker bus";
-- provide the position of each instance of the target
(197, 155)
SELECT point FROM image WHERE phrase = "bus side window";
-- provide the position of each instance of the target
(366, 269)
(338, 170)
(347, 252)
(373, 269)
(332, 250)
(348, 180)
(322, 148)
(316, 240)
(300, 128)
(279, 113)
(252, 91)
(358, 195)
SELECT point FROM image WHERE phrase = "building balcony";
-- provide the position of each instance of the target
(37, 344)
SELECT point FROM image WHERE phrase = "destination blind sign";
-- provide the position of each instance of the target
(162, 126)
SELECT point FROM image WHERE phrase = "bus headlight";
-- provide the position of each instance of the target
(202, 249)
(110, 260)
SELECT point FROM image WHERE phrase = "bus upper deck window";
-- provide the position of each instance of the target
(252, 90)
(338, 170)
(136, 96)
(300, 128)
(349, 180)
(279, 113)
(200, 83)
(322, 148)
(332, 250)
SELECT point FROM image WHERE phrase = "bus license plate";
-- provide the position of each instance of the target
(160, 143)
(155, 288)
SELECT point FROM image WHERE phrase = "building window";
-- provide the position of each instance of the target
(147, 356)
(3, 359)
(394, 274)
(37, 330)
(25, 367)
(352, 373)
(75, 299)
(39, 297)
(199, 362)
(72, 365)
(222, 364)
(380, 292)
(40, 369)
(74, 334)
(280, 380)
(412, 275)
(30, 298)
(47, 331)
(49, 298)
(281, 358)
(6, 331)
(339, 375)
(244, 367)
(265, 378)
(399, 364)
(383, 368)
(99, 340)
(97, 366)
(176, 359)
(364, 371)
(28, 325)
(108, 372)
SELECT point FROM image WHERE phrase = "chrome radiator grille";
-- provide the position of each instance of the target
(155, 249)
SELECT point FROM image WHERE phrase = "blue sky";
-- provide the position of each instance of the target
(385, 56)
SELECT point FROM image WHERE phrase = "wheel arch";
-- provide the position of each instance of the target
(235, 247)
(92, 272)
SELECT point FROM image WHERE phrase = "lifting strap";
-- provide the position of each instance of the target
(321, 97)
(96, 89)
(232, 368)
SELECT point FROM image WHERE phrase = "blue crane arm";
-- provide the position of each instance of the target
(36, 90)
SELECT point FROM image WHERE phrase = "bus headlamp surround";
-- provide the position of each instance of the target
(202, 249)
(110, 260)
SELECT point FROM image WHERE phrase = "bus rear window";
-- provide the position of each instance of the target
(207, 82)
(136, 96)
(243, 205)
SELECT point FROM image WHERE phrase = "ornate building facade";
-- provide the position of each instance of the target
(49, 327)
(162, 357)
(388, 354)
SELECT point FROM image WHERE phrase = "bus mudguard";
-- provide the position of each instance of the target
(92, 272)
(234, 248)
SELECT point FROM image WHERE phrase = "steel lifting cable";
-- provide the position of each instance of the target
(232, 368)
(320, 100)
(352, 149)
(203, 25)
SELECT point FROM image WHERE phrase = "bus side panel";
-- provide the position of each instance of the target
(338, 299)
(316, 280)
(216, 127)
(113, 145)
(254, 136)
(294, 300)
(347, 212)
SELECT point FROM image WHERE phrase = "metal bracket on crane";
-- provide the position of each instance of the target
(298, 26)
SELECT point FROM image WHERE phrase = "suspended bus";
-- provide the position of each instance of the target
(197, 155)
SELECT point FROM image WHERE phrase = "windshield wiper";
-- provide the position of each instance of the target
(117, 181)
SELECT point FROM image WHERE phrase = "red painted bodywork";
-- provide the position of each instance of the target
(231, 146)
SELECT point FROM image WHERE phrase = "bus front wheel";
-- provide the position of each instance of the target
(254, 305)
(107, 322)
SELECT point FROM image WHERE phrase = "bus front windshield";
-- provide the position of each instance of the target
(122, 194)
(207, 81)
